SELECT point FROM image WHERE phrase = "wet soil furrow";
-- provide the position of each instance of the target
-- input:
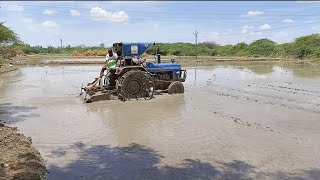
(253, 100)
(286, 87)
(267, 96)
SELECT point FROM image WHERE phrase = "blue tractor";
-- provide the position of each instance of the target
(136, 78)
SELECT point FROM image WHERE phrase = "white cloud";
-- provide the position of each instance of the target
(30, 25)
(15, 8)
(225, 38)
(281, 37)
(49, 24)
(74, 12)
(49, 12)
(265, 27)
(254, 13)
(27, 20)
(100, 14)
(288, 21)
(249, 30)
(245, 29)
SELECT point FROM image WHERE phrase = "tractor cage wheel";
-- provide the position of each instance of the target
(135, 84)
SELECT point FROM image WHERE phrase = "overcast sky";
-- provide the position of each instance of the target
(92, 23)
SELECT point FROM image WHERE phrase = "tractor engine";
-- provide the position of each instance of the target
(163, 76)
(162, 80)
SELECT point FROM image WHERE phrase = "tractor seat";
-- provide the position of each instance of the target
(129, 62)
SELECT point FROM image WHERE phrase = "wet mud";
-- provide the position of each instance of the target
(234, 121)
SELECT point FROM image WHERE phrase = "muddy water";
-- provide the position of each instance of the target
(257, 120)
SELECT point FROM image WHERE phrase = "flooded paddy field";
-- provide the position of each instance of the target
(235, 121)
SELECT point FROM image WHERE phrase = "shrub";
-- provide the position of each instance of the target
(262, 47)
(303, 51)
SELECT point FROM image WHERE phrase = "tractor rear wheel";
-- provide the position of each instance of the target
(135, 84)
(176, 87)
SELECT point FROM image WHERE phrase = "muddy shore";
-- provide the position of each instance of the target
(7, 69)
(18, 158)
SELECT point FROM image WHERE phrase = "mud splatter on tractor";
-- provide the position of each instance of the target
(134, 77)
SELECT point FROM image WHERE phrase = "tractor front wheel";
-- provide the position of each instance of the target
(176, 87)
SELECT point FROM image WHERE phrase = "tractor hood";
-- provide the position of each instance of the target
(153, 67)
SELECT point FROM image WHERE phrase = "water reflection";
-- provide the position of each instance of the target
(308, 70)
(260, 68)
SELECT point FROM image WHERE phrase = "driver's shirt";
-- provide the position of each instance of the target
(111, 61)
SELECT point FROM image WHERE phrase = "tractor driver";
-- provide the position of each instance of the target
(111, 62)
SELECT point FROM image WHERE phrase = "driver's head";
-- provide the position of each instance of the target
(110, 52)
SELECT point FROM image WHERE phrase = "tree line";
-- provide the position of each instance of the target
(301, 48)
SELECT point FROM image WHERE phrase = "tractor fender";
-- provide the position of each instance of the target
(123, 70)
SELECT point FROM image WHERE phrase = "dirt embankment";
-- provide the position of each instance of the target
(6, 68)
(55, 60)
(18, 159)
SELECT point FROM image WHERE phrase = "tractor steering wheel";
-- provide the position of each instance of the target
(142, 62)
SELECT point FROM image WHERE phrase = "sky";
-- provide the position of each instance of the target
(92, 23)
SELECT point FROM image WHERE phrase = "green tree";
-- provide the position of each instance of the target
(303, 51)
(208, 44)
(262, 47)
(240, 46)
(226, 50)
(307, 46)
(309, 40)
(6, 34)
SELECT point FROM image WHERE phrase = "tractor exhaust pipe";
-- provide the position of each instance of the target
(159, 59)
(158, 55)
